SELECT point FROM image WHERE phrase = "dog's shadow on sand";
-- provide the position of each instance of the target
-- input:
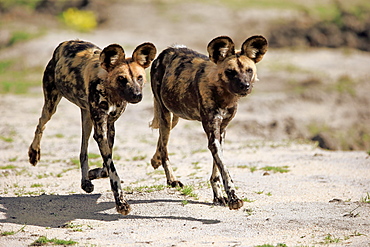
(56, 210)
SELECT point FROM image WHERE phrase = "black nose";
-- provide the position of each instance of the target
(244, 86)
(137, 97)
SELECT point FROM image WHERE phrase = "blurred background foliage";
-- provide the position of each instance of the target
(314, 23)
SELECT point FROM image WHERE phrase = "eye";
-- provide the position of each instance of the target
(122, 80)
(249, 71)
(230, 73)
(140, 78)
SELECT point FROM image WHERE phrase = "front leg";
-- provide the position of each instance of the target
(101, 136)
(214, 132)
(86, 184)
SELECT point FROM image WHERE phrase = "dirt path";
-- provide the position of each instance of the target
(292, 208)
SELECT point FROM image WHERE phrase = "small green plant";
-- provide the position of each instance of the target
(251, 168)
(36, 185)
(248, 211)
(196, 166)
(366, 199)
(73, 227)
(13, 159)
(81, 20)
(276, 169)
(184, 202)
(329, 239)
(271, 245)
(93, 156)
(40, 176)
(75, 162)
(8, 167)
(13, 232)
(188, 190)
(247, 200)
(20, 36)
(59, 135)
(54, 241)
(6, 139)
(139, 157)
(356, 234)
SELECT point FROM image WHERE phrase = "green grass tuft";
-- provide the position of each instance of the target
(276, 169)
(54, 241)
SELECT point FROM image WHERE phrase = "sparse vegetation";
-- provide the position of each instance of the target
(8, 167)
(248, 211)
(36, 185)
(54, 241)
(188, 190)
(73, 227)
(21, 36)
(271, 245)
(247, 200)
(144, 189)
(139, 157)
(9, 233)
(345, 85)
(251, 168)
(366, 199)
(184, 202)
(329, 239)
(276, 169)
(17, 79)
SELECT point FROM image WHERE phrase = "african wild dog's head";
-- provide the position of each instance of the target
(237, 70)
(125, 77)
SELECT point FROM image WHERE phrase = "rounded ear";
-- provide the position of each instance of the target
(112, 56)
(144, 54)
(254, 48)
(220, 48)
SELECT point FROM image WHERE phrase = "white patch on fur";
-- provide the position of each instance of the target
(112, 108)
(222, 113)
(219, 149)
(255, 78)
(178, 46)
(252, 53)
(223, 51)
(113, 59)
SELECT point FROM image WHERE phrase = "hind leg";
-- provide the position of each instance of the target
(52, 98)
(161, 155)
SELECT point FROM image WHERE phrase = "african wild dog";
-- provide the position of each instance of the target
(101, 83)
(192, 86)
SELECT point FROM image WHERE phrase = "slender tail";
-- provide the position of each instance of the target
(154, 124)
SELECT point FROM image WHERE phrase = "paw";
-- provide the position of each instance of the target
(234, 202)
(155, 163)
(97, 173)
(34, 156)
(87, 186)
(123, 208)
(174, 184)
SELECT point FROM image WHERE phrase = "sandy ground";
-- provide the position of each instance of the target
(294, 208)
(317, 202)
